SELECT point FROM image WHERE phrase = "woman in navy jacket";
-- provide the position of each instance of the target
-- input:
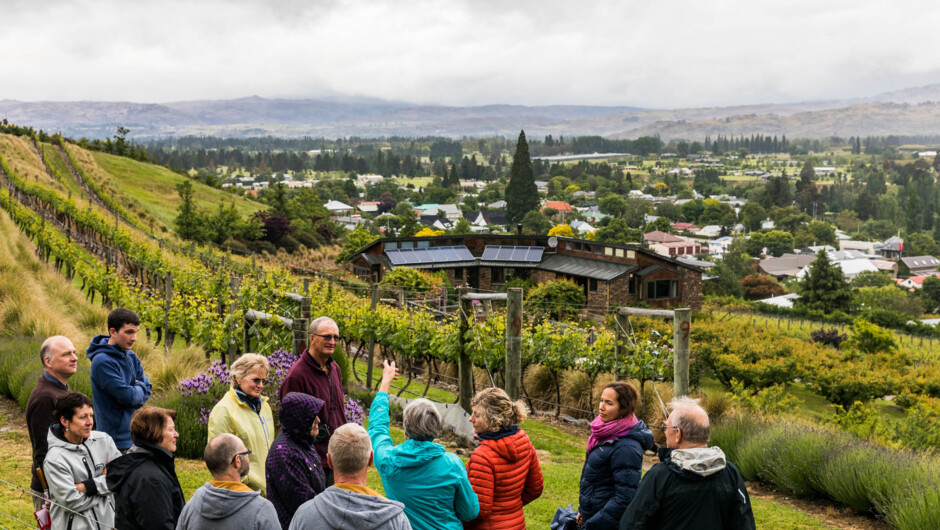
(614, 459)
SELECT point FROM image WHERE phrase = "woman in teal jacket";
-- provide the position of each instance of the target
(429, 481)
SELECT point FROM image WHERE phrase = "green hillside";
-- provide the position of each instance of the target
(154, 188)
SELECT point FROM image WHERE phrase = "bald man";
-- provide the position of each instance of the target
(694, 487)
(59, 362)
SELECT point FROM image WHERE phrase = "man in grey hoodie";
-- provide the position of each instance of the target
(349, 504)
(694, 487)
(224, 502)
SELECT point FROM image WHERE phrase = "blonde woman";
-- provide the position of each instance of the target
(504, 470)
(244, 412)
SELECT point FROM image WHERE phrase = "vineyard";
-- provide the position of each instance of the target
(211, 299)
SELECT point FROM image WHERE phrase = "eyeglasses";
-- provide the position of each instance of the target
(334, 338)
(243, 453)
(673, 427)
(258, 381)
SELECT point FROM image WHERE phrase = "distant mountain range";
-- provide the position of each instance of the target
(913, 111)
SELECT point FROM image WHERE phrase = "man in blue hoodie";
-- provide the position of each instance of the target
(118, 383)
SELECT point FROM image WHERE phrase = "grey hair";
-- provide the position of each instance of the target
(247, 363)
(687, 416)
(45, 351)
(220, 452)
(319, 321)
(422, 420)
(350, 449)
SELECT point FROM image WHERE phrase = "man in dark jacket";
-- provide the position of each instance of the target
(317, 374)
(60, 363)
(225, 503)
(118, 383)
(694, 487)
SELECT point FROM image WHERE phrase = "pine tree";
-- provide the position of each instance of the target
(824, 288)
(522, 195)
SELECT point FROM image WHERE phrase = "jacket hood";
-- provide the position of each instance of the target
(413, 453)
(56, 438)
(702, 462)
(121, 468)
(99, 345)
(642, 434)
(339, 508)
(297, 411)
(513, 448)
(220, 503)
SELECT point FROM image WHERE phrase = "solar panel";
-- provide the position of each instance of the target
(516, 254)
(429, 255)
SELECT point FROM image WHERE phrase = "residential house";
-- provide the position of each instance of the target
(891, 249)
(677, 248)
(609, 274)
(369, 206)
(786, 266)
(916, 266)
(338, 208)
(658, 236)
(718, 247)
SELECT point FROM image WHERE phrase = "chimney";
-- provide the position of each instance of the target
(519, 229)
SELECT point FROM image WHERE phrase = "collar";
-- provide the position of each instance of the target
(52, 379)
(356, 488)
(230, 485)
(315, 365)
(502, 433)
(254, 403)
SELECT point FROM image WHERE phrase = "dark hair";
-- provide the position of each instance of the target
(67, 405)
(147, 424)
(120, 317)
(627, 397)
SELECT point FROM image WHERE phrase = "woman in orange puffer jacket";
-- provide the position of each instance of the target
(504, 470)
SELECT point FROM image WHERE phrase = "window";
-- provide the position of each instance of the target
(608, 251)
(619, 252)
(631, 283)
(424, 244)
(391, 245)
(592, 284)
(458, 274)
(407, 244)
(497, 275)
(598, 249)
(662, 289)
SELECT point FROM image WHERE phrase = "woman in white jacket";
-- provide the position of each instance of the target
(75, 467)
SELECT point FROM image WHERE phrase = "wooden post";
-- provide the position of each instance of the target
(682, 328)
(371, 352)
(622, 321)
(168, 297)
(513, 342)
(329, 289)
(299, 329)
(232, 346)
(401, 298)
(464, 384)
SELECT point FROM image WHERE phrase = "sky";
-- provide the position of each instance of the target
(654, 53)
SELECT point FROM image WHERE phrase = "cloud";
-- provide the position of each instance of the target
(463, 52)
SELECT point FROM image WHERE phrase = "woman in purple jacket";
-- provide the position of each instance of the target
(293, 471)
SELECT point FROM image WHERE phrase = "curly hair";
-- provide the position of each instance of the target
(498, 411)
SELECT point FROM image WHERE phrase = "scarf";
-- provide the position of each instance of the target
(502, 433)
(254, 403)
(602, 431)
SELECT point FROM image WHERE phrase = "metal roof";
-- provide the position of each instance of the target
(585, 267)
(372, 259)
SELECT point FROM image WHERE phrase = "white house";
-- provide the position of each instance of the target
(338, 208)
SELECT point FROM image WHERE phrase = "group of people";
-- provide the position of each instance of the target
(313, 473)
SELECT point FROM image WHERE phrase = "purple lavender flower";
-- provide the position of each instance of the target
(354, 411)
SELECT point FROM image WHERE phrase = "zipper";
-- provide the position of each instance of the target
(91, 476)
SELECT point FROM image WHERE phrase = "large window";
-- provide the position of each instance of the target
(662, 289)
(498, 275)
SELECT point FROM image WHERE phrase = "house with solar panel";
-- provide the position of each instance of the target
(611, 275)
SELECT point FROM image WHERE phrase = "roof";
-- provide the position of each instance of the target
(337, 206)
(679, 244)
(561, 206)
(660, 237)
(430, 257)
(921, 262)
(785, 300)
(512, 256)
(786, 265)
(654, 268)
(586, 267)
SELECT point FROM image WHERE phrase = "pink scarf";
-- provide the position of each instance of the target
(602, 431)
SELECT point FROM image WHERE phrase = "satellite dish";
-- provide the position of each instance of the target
(553, 242)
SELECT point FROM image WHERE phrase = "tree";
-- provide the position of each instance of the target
(760, 286)
(921, 244)
(354, 241)
(824, 288)
(618, 232)
(190, 223)
(872, 279)
(522, 195)
(462, 227)
(778, 191)
(613, 205)
(561, 230)
(778, 243)
(752, 215)
(559, 298)
(660, 223)
(930, 293)
(823, 233)
(535, 223)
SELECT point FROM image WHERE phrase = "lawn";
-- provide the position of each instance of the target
(154, 187)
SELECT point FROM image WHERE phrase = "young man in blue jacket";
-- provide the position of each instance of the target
(118, 383)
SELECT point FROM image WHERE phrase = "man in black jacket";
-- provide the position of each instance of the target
(694, 487)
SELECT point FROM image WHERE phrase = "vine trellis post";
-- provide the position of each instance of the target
(681, 330)
(513, 375)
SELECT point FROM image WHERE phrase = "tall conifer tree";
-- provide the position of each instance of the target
(522, 195)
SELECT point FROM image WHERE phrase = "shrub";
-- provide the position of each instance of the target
(759, 286)
(829, 337)
(560, 299)
(871, 338)
(411, 280)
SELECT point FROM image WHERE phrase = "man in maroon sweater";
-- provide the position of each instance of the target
(60, 363)
(317, 374)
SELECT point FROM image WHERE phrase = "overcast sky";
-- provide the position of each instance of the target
(654, 53)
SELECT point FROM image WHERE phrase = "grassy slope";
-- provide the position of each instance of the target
(153, 187)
